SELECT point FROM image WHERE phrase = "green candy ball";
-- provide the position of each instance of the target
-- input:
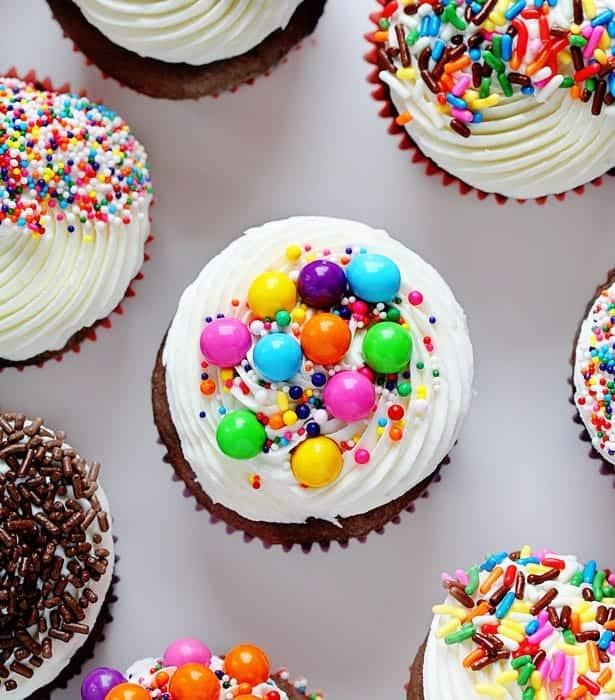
(240, 435)
(282, 318)
(387, 347)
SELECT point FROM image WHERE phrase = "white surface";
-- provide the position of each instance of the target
(308, 141)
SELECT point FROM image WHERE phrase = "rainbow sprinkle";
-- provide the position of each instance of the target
(544, 622)
(64, 157)
(471, 54)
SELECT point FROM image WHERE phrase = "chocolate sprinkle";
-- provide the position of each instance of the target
(47, 504)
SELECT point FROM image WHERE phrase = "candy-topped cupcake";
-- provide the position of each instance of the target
(75, 192)
(513, 97)
(181, 49)
(525, 625)
(594, 370)
(315, 376)
(188, 671)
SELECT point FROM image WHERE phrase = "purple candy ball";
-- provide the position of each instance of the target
(225, 342)
(321, 284)
(97, 684)
(186, 651)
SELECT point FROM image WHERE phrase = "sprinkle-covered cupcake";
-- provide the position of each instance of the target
(181, 49)
(594, 370)
(188, 671)
(315, 376)
(511, 97)
(56, 558)
(75, 193)
(525, 625)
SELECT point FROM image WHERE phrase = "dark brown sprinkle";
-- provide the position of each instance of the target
(601, 614)
(475, 40)
(588, 636)
(542, 602)
(487, 70)
(467, 14)
(404, 53)
(477, 74)
(564, 616)
(553, 616)
(392, 52)
(461, 128)
(484, 12)
(430, 82)
(519, 79)
(539, 657)
(457, 39)
(460, 595)
(457, 52)
(604, 656)
(519, 584)
(585, 95)
(438, 8)
(577, 11)
(411, 9)
(488, 660)
(498, 596)
(490, 643)
(438, 70)
(559, 32)
(611, 615)
(577, 57)
(48, 504)
(587, 594)
(512, 31)
(384, 62)
(599, 97)
(549, 575)
(424, 57)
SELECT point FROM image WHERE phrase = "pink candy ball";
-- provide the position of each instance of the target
(225, 342)
(415, 298)
(361, 456)
(186, 651)
(349, 396)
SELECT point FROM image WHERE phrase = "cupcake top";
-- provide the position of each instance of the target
(316, 368)
(594, 373)
(184, 31)
(57, 553)
(523, 625)
(75, 190)
(512, 97)
(188, 670)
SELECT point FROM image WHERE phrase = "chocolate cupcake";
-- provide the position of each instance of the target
(593, 377)
(179, 49)
(187, 670)
(505, 98)
(74, 220)
(315, 376)
(56, 558)
(525, 625)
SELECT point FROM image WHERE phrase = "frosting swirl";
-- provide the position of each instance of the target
(188, 31)
(384, 450)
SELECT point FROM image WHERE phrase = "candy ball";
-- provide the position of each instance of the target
(321, 284)
(185, 651)
(362, 456)
(387, 347)
(248, 664)
(271, 292)
(349, 396)
(325, 338)
(225, 342)
(373, 277)
(277, 357)
(317, 462)
(240, 435)
(246, 697)
(130, 691)
(194, 682)
(97, 684)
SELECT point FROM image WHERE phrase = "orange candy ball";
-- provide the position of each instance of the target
(244, 689)
(127, 691)
(248, 664)
(194, 682)
(247, 697)
(325, 338)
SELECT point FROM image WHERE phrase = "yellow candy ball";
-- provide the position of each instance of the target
(271, 292)
(317, 462)
(289, 417)
(293, 252)
(298, 315)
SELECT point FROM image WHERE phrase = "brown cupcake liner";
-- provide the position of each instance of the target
(88, 650)
(181, 81)
(606, 468)
(85, 334)
(387, 111)
(303, 535)
(414, 687)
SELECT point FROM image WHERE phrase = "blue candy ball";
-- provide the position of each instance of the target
(373, 277)
(277, 357)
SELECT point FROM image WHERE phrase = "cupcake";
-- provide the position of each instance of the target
(181, 49)
(593, 376)
(508, 97)
(187, 670)
(75, 192)
(525, 625)
(315, 376)
(56, 559)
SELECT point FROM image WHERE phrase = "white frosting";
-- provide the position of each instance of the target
(526, 146)
(143, 672)
(63, 652)
(445, 678)
(54, 285)
(197, 32)
(433, 420)
(589, 393)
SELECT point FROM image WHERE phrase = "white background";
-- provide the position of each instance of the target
(307, 141)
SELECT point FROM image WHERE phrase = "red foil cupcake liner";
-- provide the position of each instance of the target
(387, 111)
(88, 650)
(86, 334)
(606, 468)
